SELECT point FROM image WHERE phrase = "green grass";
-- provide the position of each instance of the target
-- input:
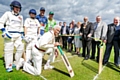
(85, 70)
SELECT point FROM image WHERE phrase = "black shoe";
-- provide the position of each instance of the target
(104, 63)
(92, 57)
(83, 55)
(97, 59)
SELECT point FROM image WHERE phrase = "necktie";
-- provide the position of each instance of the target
(96, 26)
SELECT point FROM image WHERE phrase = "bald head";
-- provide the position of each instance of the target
(85, 19)
(116, 20)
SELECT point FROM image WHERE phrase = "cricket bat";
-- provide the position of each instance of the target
(66, 62)
(100, 55)
(100, 58)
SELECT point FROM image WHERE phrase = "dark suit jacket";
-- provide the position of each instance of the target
(85, 31)
(68, 30)
(111, 33)
(72, 32)
(62, 30)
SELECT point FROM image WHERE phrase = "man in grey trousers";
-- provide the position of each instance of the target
(100, 30)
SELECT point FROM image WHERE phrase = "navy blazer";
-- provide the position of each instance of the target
(61, 31)
(72, 32)
(68, 30)
(112, 33)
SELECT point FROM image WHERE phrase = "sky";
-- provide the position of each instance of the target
(68, 10)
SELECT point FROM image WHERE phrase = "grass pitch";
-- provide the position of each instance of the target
(84, 70)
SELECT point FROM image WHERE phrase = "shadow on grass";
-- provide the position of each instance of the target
(89, 66)
(113, 67)
(43, 62)
(62, 72)
(2, 59)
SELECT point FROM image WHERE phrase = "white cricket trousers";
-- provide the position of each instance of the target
(29, 48)
(37, 63)
(51, 56)
(9, 48)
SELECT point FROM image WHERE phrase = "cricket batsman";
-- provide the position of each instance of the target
(46, 44)
(12, 34)
(31, 28)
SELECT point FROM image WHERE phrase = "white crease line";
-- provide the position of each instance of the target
(43, 77)
(55, 62)
(98, 74)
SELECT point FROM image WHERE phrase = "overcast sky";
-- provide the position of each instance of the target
(68, 10)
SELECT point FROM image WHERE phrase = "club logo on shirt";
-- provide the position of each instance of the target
(33, 25)
(15, 21)
(20, 18)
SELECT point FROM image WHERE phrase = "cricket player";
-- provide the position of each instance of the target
(12, 34)
(46, 44)
(31, 28)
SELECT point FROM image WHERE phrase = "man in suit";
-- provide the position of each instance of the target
(100, 30)
(64, 32)
(113, 34)
(86, 32)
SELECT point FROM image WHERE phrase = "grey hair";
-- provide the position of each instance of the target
(57, 26)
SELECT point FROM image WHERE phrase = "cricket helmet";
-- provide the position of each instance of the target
(15, 4)
(33, 11)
